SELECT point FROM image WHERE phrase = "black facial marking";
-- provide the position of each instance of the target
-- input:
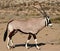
(49, 21)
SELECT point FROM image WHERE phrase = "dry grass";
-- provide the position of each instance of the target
(56, 20)
(24, 10)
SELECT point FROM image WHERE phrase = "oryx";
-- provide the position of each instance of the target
(31, 26)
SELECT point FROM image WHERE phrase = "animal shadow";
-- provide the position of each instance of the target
(30, 45)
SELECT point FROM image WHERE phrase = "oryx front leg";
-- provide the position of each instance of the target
(35, 39)
(29, 37)
(36, 44)
(11, 43)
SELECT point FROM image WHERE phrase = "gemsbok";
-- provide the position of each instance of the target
(31, 26)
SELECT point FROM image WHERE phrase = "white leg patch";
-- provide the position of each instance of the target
(36, 41)
(26, 46)
(11, 43)
(8, 46)
(27, 43)
(36, 44)
(8, 41)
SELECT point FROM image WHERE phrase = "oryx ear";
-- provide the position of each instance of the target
(48, 17)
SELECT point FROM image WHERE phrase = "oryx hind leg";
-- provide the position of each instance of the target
(9, 41)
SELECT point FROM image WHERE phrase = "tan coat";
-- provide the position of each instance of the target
(32, 25)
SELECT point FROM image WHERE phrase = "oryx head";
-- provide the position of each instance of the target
(48, 21)
(42, 11)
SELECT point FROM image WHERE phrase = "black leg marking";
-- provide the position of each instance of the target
(12, 33)
(29, 37)
(34, 36)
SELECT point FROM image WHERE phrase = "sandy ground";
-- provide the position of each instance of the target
(48, 40)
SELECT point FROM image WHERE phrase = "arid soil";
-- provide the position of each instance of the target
(48, 39)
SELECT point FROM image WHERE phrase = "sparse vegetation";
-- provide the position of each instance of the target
(10, 9)
(56, 20)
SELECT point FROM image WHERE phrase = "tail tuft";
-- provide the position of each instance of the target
(5, 34)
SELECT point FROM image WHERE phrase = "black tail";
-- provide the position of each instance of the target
(5, 34)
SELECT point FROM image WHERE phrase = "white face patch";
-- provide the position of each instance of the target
(50, 25)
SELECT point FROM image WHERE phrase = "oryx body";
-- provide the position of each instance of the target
(30, 26)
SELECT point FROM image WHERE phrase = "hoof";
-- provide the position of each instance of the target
(12, 47)
(27, 47)
(38, 48)
(8, 47)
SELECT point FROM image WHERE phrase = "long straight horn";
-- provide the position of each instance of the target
(38, 9)
(44, 13)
